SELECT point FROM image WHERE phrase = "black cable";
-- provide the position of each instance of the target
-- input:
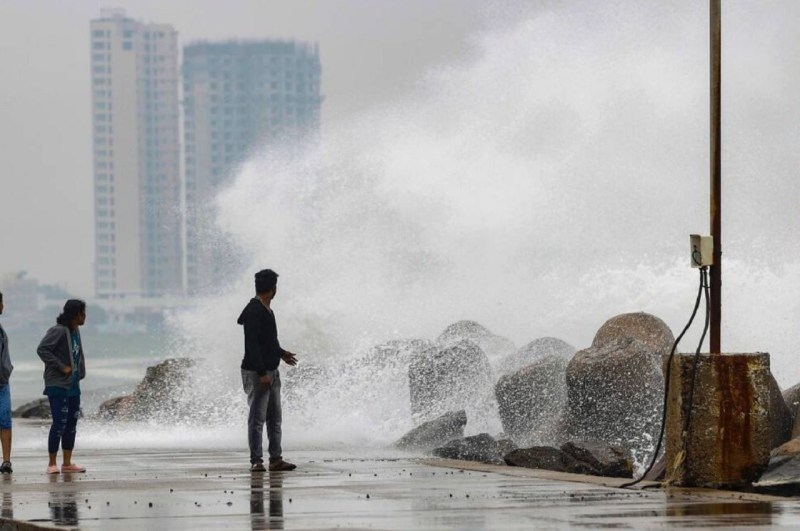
(704, 282)
(668, 377)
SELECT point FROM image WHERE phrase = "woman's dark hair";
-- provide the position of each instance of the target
(266, 279)
(72, 308)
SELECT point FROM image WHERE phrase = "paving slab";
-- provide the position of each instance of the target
(351, 489)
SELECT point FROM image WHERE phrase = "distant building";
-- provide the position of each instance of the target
(238, 97)
(137, 184)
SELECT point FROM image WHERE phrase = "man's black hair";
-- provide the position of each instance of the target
(266, 279)
(1, 296)
(72, 308)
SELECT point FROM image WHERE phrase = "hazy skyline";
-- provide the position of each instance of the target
(372, 53)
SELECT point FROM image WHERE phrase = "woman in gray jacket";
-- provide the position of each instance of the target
(61, 351)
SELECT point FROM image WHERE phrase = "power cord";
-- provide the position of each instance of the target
(702, 289)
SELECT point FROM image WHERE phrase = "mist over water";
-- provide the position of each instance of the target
(541, 187)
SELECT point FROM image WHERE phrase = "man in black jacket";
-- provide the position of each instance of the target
(260, 377)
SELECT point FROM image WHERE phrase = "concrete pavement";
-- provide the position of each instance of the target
(348, 489)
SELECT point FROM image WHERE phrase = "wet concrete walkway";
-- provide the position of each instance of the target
(341, 490)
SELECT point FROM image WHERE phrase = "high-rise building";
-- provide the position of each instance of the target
(238, 97)
(137, 182)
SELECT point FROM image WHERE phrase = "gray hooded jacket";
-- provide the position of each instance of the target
(5, 359)
(55, 349)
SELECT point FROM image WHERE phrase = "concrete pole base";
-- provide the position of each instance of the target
(727, 443)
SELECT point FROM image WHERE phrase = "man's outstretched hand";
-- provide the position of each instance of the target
(289, 358)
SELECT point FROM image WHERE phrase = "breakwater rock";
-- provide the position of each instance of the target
(482, 448)
(37, 409)
(156, 395)
(433, 433)
(615, 387)
(576, 457)
(451, 378)
(532, 396)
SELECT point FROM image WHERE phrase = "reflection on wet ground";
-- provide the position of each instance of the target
(214, 490)
(273, 517)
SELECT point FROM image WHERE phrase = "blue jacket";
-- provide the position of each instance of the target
(5, 359)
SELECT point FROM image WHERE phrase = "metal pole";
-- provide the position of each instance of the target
(716, 177)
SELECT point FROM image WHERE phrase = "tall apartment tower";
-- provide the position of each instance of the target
(137, 182)
(239, 97)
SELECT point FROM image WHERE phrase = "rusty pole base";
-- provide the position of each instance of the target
(727, 444)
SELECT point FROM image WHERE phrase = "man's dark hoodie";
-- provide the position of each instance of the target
(262, 352)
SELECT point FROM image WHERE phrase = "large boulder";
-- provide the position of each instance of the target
(451, 378)
(433, 433)
(531, 401)
(482, 448)
(494, 346)
(38, 409)
(547, 458)
(156, 396)
(615, 388)
(641, 326)
(591, 458)
(792, 398)
(780, 416)
(544, 347)
(782, 475)
(608, 460)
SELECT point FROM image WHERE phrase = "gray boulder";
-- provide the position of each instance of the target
(482, 448)
(782, 475)
(615, 387)
(451, 378)
(608, 460)
(435, 433)
(532, 399)
(494, 346)
(38, 409)
(780, 416)
(155, 397)
(641, 326)
(544, 347)
(547, 458)
(792, 398)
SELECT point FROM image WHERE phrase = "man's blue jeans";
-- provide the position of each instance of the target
(265, 406)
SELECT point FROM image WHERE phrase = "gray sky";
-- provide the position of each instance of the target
(375, 53)
(372, 52)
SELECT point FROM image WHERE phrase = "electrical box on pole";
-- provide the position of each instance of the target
(702, 250)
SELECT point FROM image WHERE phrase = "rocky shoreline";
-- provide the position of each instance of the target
(592, 411)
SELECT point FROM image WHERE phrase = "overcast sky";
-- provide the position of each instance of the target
(372, 52)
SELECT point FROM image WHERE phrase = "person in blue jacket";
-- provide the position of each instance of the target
(5, 398)
(61, 350)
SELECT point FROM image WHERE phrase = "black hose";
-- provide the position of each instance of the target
(700, 290)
